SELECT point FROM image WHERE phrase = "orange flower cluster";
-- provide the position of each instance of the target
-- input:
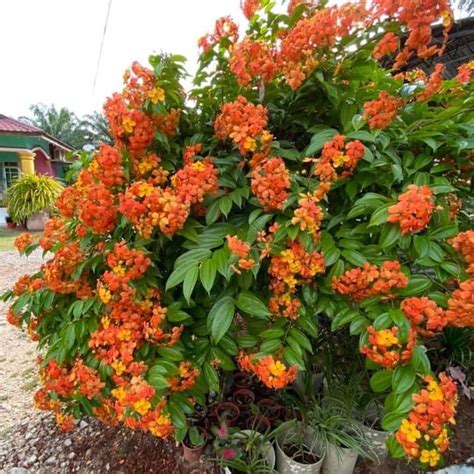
(292, 268)
(270, 183)
(418, 17)
(464, 244)
(309, 215)
(240, 249)
(185, 379)
(338, 160)
(369, 280)
(270, 371)
(225, 28)
(424, 434)
(244, 123)
(140, 85)
(107, 166)
(387, 45)
(26, 283)
(386, 349)
(433, 85)
(464, 75)
(98, 211)
(54, 233)
(149, 207)
(460, 312)
(425, 315)
(169, 122)
(414, 209)
(249, 7)
(252, 60)
(381, 112)
(23, 241)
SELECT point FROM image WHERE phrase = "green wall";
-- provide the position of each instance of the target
(9, 156)
(23, 141)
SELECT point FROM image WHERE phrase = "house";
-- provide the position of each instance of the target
(25, 149)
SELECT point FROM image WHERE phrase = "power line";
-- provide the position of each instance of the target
(101, 46)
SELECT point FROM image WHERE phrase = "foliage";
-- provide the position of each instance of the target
(30, 194)
(302, 191)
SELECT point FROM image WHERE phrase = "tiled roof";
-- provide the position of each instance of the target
(7, 124)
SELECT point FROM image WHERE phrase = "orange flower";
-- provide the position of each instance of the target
(249, 7)
(464, 244)
(434, 84)
(381, 112)
(23, 241)
(270, 371)
(460, 312)
(387, 45)
(185, 379)
(386, 349)
(425, 315)
(464, 75)
(369, 280)
(308, 216)
(414, 209)
(54, 233)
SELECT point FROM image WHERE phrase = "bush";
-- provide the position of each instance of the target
(30, 194)
(302, 193)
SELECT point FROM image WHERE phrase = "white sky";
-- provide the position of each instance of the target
(49, 48)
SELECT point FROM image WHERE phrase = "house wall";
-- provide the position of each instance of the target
(23, 141)
(43, 165)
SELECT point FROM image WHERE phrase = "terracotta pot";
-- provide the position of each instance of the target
(270, 408)
(258, 423)
(192, 454)
(339, 460)
(11, 225)
(242, 380)
(243, 397)
(228, 412)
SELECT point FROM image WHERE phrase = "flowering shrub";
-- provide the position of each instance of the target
(306, 187)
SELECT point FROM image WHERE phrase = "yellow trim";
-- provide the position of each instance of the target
(27, 161)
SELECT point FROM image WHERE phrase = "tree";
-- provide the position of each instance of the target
(98, 127)
(62, 124)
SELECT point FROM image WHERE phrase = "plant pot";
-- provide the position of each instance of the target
(258, 423)
(339, 460)
(287, 465)
(192, 454)
(376, 441)
(270, 408)
(267, 449)
(227, 412)
(11, 225)
(243, 397)
(37, 221)
(242, 380)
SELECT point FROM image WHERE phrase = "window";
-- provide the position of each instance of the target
(58, 154)
(10, 173)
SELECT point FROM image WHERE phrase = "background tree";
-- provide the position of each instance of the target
(98, 127)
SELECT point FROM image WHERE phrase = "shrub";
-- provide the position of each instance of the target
(303, 190)
(30, 194)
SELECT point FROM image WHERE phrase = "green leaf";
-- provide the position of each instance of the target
(157, 380)
(177, 415)
(444, 232)
(170, 353)
(318, 140)
(221, 316)
(354, 257)
(211, 377)
(301, 339)
(207, 274)
(380, 215)
(389, 236)
(394, 448)
(272, 333)
(403, 378)
(420, 361)
(381, 381)
(179, 274)
(417, 284)
(251, 304)
(293, 358)
(422, 245)
(190, 282)
(392, 421)
(225, 205)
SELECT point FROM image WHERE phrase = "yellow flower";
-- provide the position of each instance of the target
(435, 392)
(430, 457)
(124, 334)
(128, 124)
(409, 430)
(142, 406)
(277, 368)
(250, 144)
(266, 136)
(104, 295)
(198, 166)
(119, 270)
(156, 95)
(385, 337)
(118, 393)
(340, 159)
(118, 366)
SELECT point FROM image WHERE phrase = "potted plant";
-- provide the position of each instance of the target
(194, 444)
(270, 408)
(245, 451)
(228, 412)
(244, 398)
(31, 199)
(242, 380)
(258, 423)
(10, 223)
(296, 450)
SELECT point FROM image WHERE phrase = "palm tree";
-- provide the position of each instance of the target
(466, 6)
(62, 124)
(98, 128)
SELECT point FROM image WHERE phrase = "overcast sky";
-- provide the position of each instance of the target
(49, 48)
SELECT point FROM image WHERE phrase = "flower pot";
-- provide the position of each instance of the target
(258, 423)
(376, 441)
(37, 221)
(227, 412)
(270, 408)
(11, 225)
(287, 465)
(192, 454)
(339, 460)
(243, 397)
(242, 380)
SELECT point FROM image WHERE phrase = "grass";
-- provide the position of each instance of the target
(8, 236)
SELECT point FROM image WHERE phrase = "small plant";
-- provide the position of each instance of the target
(195, 439)
(31, 194)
